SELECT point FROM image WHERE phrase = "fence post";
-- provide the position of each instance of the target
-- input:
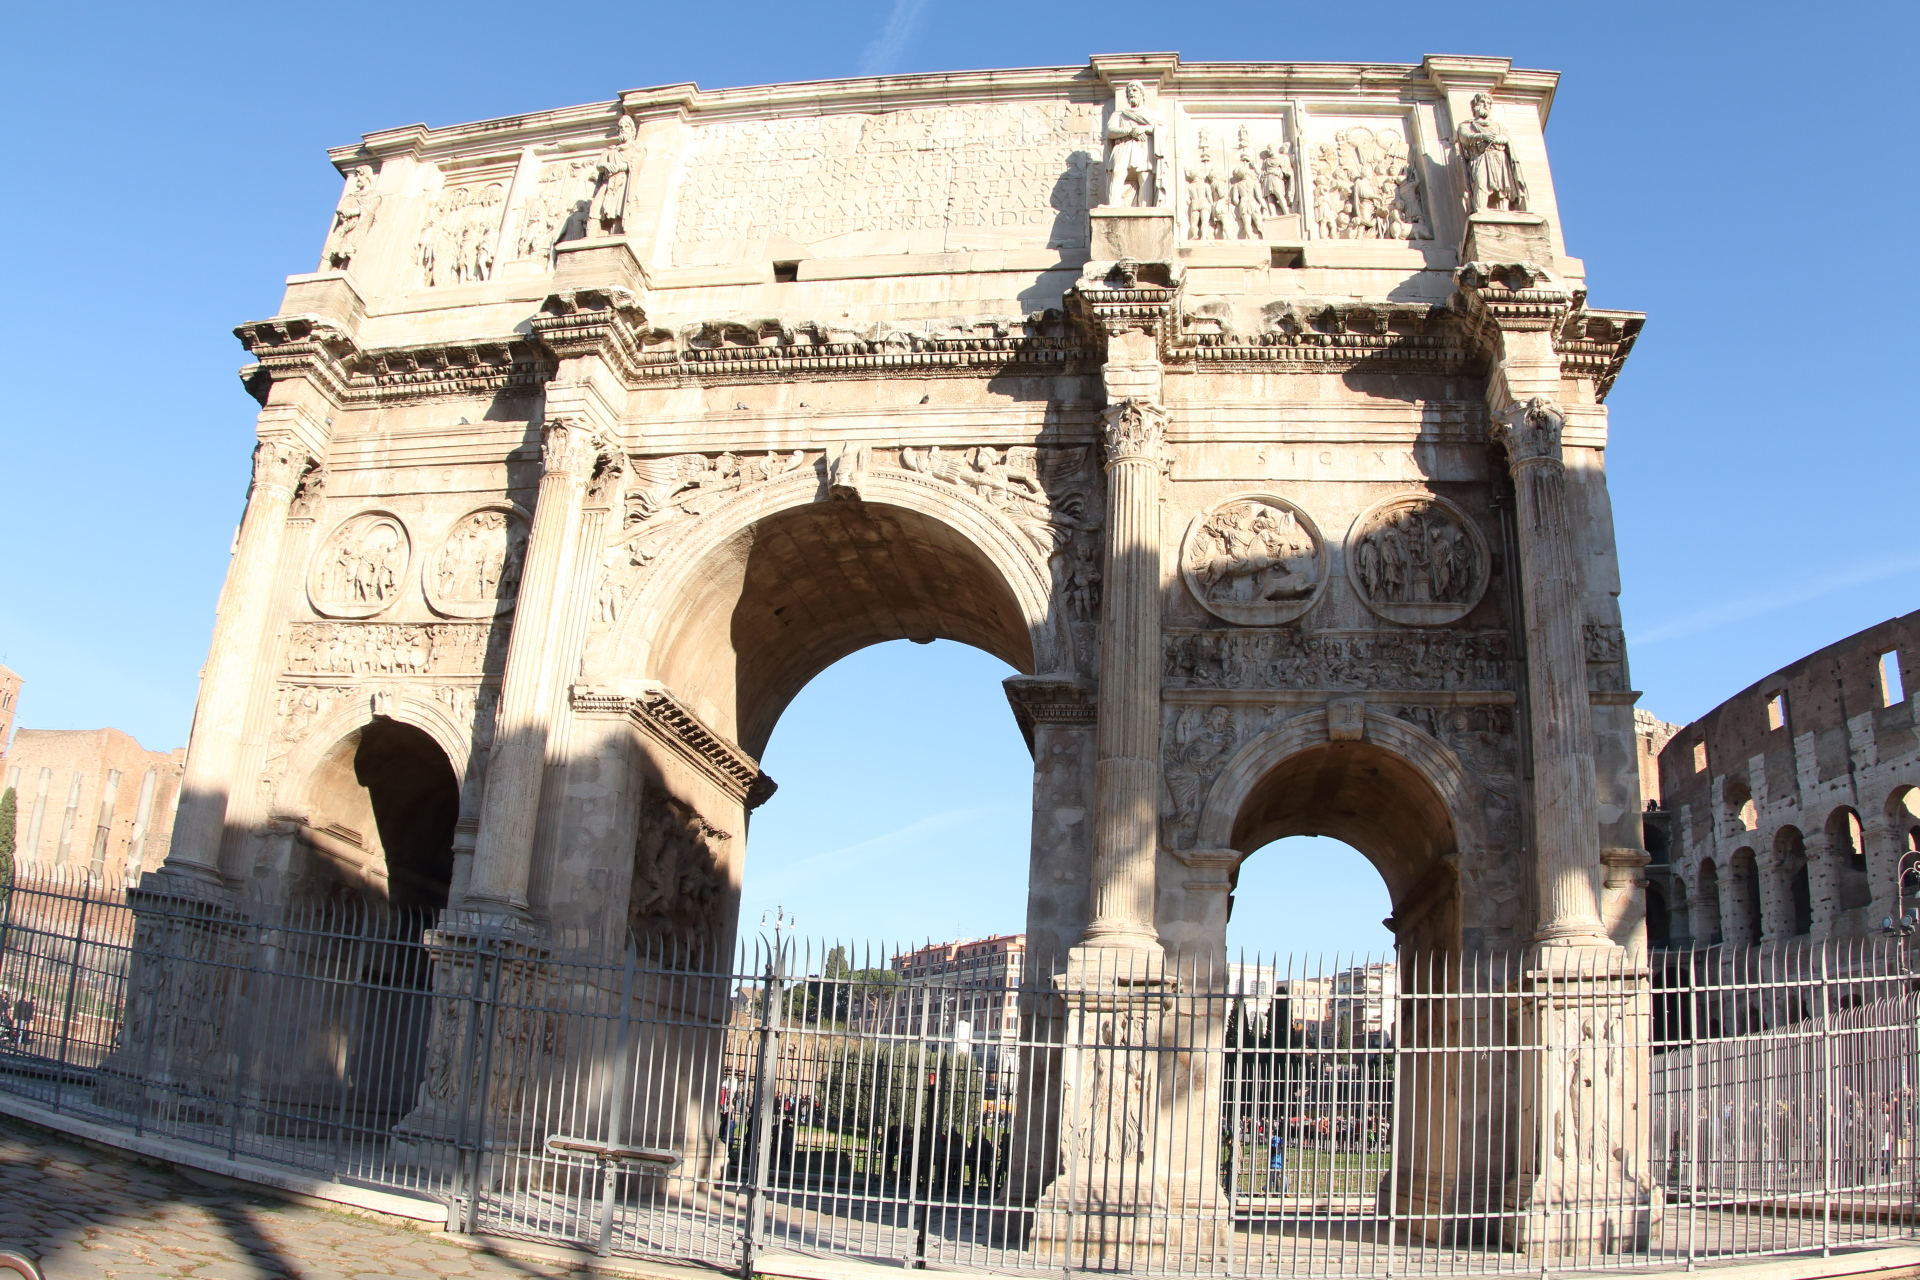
(617, 1114)
(1829, 1099)
(73, 984)
(459, 1218)
(757, 1136)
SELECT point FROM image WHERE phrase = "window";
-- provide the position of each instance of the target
(1891, 690)
(786, 272)
(1777, 711)
(1699, 756)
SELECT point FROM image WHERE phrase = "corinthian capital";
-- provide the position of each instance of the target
(1530, 432)
(279, 462)
(570, 448)
(1135, 429)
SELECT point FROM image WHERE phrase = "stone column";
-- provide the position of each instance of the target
(1736, 908)
(226, 686)
(1126, 787)
(516, 766)
(1706, 915)
(1566, 817)
(1776, 899)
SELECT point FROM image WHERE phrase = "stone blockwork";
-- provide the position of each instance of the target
(1788, 809)
(91, 802)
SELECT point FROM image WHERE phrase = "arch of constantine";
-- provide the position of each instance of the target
(1253, 412)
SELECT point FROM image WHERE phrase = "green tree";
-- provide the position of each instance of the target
(8, 807)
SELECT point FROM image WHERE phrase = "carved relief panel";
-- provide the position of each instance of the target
(361, 567)
(1239, 176)
(1417, 559)
(459, 238)
(1254, 559)
(1364, 180)
(680, 876)
(476, 572)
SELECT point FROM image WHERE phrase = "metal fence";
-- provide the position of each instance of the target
(1405, 1115)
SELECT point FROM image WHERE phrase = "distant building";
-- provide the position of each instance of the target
(1364, 998)
(91, 801)
(9, 701)
(973, 1001)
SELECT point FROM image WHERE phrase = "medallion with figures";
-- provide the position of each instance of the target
(477, 572)
(361, 567)
(1417, 559)
(1255, 559)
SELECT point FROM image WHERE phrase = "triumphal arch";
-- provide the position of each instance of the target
(1254, 412)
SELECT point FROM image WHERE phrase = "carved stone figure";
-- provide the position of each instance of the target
(1276, 181)
(1417, 559)
(360, 567)
(607, 215)
(1486, 153)
(1201, 744)
(1134, 159)
(1255, 559)
(1244, 201)
(351, 221)
(847, 469)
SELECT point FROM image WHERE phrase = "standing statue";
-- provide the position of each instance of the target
(1276, 182)
(607, 215)
(350, 221)
(1134, 158)
(1493, 178)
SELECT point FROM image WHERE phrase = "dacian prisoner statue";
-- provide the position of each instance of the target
(1288, 505)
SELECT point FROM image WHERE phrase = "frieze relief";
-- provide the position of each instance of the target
(1418, 559)
(361, 567)
(459, 239)
(1240, 192)
(1606, 647)
(476, 573)
(1365, 186)
(395, 648)
(1289, 658)
(1254, 559)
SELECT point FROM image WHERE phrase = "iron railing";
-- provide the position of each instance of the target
(1362, 1116)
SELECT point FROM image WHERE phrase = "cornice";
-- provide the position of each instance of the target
(610, 323)
(1334, 337)
(298, 346)
(1595, 344)
(661, 717)
(1050, 699)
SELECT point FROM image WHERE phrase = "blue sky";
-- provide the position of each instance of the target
(1741, 173)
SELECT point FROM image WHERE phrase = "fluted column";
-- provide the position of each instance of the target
(1566, 809)
(1126, 771)
(246, 606)
(516, 765)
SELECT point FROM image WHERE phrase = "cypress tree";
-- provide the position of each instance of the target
(7, 807)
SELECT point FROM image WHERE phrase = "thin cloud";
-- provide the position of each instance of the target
(882, 53)
(852, 855)
(1760, 604)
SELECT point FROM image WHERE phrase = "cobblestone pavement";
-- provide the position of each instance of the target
(84, 1214)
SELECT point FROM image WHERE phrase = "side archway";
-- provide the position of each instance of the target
(1396, 794)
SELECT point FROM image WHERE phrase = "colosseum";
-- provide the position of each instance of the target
(1789, 810)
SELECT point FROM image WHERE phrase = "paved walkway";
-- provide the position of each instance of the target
(84, 1215)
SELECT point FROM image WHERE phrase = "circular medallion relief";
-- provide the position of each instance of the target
(1417, 559)
(1255, 559)
(476, 573)
(360, 567)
